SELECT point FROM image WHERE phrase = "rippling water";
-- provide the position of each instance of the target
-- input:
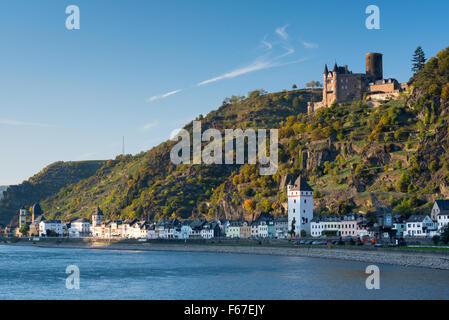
(39, 273)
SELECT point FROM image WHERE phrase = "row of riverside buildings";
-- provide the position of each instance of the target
(300, 221)
(266, 226)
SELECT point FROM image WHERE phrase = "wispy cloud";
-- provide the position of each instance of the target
(260, 63)
(267, 44)
(281, 32)
(288, 52)
(16, 123)
(257, 65)
(163, 96)
(309, 45)
(150, 125)
(272, 58)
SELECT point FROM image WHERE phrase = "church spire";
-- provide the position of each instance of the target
(326, 71)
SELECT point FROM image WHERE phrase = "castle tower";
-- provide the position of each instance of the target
(374, 68)
(300, 206)
(97, 217)
(22, 217)
(335, 84)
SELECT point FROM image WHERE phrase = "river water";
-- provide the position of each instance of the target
(40, 273)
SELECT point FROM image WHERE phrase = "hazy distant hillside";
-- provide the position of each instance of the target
(2, 188)
(47, 182)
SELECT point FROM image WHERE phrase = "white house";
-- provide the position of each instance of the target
(419, 226)
(300, 206)
(400, 225)
(79, 228)
(152, 234)
(254, 230)
(316, 227)
(442, 220)
(186, 229)
(233, 230)
(207, 232)
(51, 225)
(262, 229)
(138, 230)
(332, 224)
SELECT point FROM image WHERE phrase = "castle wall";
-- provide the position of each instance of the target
(384, 88)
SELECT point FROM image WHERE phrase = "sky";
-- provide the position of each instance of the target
(142, 69)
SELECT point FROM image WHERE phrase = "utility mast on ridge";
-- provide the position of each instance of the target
(123, 146)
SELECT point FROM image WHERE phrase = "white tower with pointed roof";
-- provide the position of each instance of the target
(300, 206)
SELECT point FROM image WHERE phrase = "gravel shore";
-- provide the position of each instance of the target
(434, 260)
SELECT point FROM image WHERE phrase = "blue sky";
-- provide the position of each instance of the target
(141, 69)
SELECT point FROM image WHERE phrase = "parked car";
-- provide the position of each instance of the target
(378, 245)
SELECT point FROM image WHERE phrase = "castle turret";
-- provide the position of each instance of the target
(374, 67)
(335, 84)
(326, 71)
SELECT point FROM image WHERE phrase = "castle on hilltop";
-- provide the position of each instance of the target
(340, 84)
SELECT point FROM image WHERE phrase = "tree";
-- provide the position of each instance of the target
(256, 93)
(293, 227)
(418, 60)
(445, 235)
(303, 233)
(249, 205)
(24, 229)
(294, 86)
(436, 240)
(313, 84)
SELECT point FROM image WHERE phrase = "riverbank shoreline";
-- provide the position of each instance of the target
(433, 260)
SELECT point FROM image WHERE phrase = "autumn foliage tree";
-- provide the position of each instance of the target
(249, 205)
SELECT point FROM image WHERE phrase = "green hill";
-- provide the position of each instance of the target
(357, 156)
(44, 184)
